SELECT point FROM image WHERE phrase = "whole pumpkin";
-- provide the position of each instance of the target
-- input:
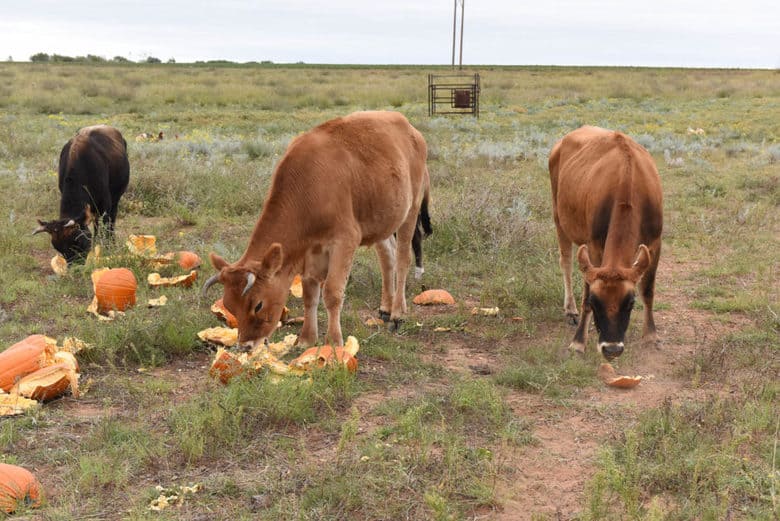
(115, 289)
(17, 486)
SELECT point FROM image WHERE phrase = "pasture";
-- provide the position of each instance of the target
(492, 418)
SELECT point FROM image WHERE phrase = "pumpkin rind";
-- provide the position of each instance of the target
(48, 383)
(188, 260)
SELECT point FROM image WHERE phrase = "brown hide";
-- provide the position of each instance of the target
(607, 199)
(352, 181)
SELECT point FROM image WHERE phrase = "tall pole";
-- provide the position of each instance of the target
(462, 12)
(454, 31)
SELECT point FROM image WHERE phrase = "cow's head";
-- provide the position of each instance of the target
(255, 292)
(611, 297)
(71, 237)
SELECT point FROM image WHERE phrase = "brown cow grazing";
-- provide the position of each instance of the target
(607, 198)
(352, 181)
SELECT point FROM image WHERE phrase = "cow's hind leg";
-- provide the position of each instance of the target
(403, 259)
(565, 249)
(339, 267)
(385, 251)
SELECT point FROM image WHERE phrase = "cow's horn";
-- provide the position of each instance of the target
(210, 282)
(39, 229)
(70, 223)
(250, 281)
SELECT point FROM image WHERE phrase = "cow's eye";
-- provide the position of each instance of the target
(259, 306)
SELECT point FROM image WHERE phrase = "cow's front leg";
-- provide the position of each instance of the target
(333, 290)
(580, 339)
(385, 251)
(311, 298)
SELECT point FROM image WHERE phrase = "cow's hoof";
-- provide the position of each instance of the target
(577, 348)
(384, 316)
(572, 319)
(395, 325)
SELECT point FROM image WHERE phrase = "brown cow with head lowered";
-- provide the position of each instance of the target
(349, 182)
(607, 198)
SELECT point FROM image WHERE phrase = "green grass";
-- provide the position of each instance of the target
(408, 436)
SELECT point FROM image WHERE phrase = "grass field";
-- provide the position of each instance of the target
(490, 420)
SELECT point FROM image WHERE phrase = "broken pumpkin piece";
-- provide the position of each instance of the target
(296, 288)
(374, 322)
(485, 312)
(23, 358)
(155, 279)
(219, 335)
(320, 356)
(48, 383)
(434, 297)
(13, 404)
(157, 302)
(188, 260)
(608, 375)
(143, 245)
(225, 366)
(219, 309)
(59, 265)
(72, 344)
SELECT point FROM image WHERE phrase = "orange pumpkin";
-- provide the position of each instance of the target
(114, 288)
(48, 383)
(219, 309)
(18, 486)
(434, 296)
(188, 260)
(23, 358)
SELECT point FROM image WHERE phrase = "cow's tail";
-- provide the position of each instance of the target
(421, 230)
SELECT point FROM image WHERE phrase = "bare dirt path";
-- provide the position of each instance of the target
(548, 479)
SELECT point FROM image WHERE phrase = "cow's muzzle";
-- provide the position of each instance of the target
(611, 350)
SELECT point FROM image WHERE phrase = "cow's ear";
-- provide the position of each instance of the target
(641, 263)
(217, 261)
(583, 258)
(273, 258)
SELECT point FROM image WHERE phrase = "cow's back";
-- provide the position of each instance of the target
(592, 170)
(93, 168)
(365, 170)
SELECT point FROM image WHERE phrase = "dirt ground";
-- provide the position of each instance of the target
(548, 477)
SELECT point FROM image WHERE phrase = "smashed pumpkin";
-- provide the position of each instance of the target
(222, 313)
(434, 297)
(143, 245)
(13, 404)
(59, 265)
(610, 377)
(320, 356)
(219, 335)
(18, 486)
(156, 280)
(296, 288)
(188, 260)
(48, 383)
(25, 357)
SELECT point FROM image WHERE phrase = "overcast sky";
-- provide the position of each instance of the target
(687, 33)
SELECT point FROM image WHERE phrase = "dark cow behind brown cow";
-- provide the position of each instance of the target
(350, 182)
(93, 174)
(607, 198)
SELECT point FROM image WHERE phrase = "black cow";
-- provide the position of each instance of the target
(93, 175)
